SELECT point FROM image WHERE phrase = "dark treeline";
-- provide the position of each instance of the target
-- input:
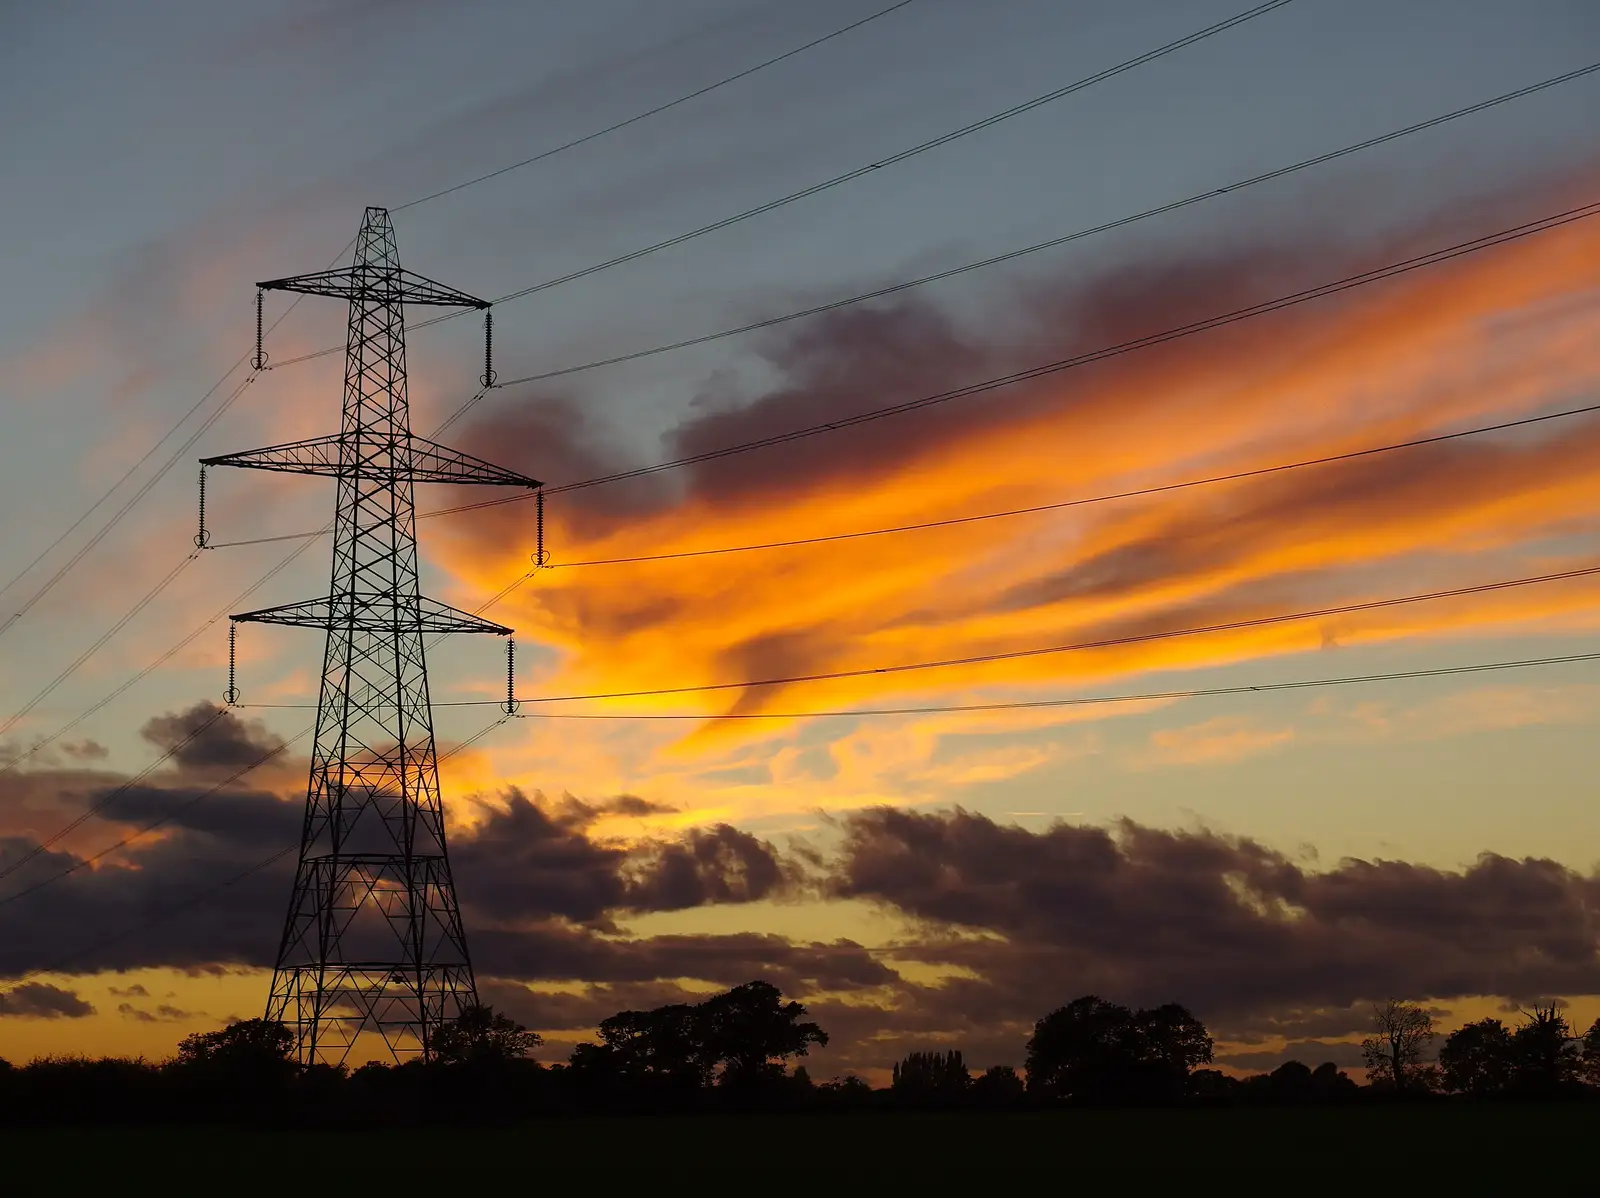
(741, 1050)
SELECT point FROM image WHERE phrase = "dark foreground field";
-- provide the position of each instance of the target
(1470, 1149)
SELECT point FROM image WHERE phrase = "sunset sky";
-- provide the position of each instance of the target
(1276, 859)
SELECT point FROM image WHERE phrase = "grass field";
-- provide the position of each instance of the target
(1463, 1148)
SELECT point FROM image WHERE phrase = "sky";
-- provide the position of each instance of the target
(1277, 859)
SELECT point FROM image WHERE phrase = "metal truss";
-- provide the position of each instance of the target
(373, 941)
(413, 457)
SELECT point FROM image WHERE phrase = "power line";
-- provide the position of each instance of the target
(153, 666)
(658, 109)
(111, 490)
(1102, 643)
(194, 900)
(1158, 489)
(133, 469)
(1043, 651)
(189, 804)
(1084, 700)
(158, 822)
(243, 359)
(1078, 701)
(50, 687)
(149, 485)
(860, 171)
(1364, 278)
(1350, 282)
(1053, 243)
(11, 765)
(186, 641)
(162, 916)
(111, 796)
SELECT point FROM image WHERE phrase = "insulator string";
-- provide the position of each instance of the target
(488, 349)
(232, 693)
(541, 559)
(510, 707)
(260, 360)
(202, 539)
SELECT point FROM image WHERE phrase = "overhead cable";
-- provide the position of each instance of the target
(1075, 701)
(858, 172)
(657, 110)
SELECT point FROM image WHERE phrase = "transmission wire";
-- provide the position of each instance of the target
(858, 172)
(1363, 278)
(1052, 243)
(1015, 654)
(194, 900)
(1078, 701)
(658, 109)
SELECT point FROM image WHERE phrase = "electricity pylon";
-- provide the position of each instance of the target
(373, 939)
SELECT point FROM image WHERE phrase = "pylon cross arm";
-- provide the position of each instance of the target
(376, 612)
(387, 459)
(390, 285)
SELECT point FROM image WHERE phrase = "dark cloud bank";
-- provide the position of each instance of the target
(1015, 921)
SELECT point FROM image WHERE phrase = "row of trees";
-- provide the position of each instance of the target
(740, 1049)
(1543, 1056)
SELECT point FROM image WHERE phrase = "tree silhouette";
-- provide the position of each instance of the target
(847, 1093)
(1477, 1059)
(250, 1055)
(1291, 1082)
(480, 1035)
(998, 1086)
(1076, 1050)
(1292, 1079)
(647, 1052)
(1097, 1050)
(739, 1038)
(931, 1077)
(1329, 1081)
(1171, 1043)
(1589, 1058)
(1395, 1054)
(750, 1032)
(1545, 1051)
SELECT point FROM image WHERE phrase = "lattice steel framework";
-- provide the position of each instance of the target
(373, 940)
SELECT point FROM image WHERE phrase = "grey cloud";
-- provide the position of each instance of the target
(533, 876)
(164, 1013)
(229, 741)
(38, 1000)
(719, 864)
(1225, 925)
(535, 858)
(85, 750)
(635, 806)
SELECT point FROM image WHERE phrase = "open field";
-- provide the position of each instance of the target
(1467, 1148)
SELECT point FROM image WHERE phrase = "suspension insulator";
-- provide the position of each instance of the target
(202, 539)
(260, 360)
(510, 705)
(541, 559)
(232, 693)
(488, 350)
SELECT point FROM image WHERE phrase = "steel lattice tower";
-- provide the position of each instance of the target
(373, 939)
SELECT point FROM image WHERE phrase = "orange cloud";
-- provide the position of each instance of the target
(1488, 337)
